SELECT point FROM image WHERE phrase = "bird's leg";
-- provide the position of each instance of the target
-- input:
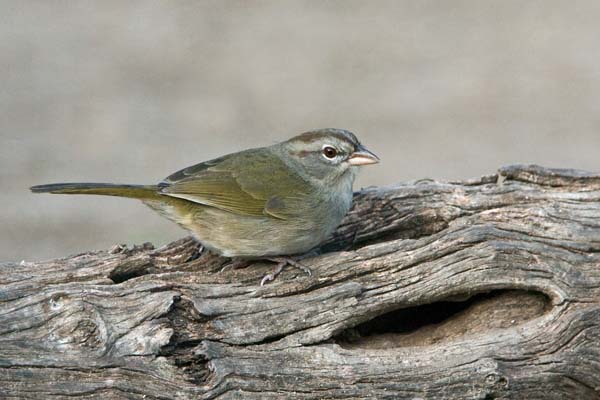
(282, 262)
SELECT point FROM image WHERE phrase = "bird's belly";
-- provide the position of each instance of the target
(243, 236)
(234, 235)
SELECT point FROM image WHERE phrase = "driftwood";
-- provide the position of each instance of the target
(481, 289)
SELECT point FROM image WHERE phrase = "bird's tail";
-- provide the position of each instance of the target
(143, 192)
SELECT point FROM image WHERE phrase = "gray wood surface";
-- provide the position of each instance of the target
(481, 289)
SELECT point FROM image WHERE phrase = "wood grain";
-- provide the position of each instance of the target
(480, 289)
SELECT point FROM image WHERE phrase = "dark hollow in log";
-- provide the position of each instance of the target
(446, 320)
(479, 289)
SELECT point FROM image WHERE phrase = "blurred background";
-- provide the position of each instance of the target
(129, 92)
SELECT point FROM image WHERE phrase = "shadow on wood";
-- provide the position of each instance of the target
(480, 289)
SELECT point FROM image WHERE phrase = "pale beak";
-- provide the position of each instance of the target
(362, 156)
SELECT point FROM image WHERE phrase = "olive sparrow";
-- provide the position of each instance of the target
(266, 202)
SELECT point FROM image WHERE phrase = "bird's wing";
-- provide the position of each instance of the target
(254, 183)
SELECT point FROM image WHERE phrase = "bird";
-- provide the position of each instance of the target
(274, 203)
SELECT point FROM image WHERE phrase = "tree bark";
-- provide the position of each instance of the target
(480, 289)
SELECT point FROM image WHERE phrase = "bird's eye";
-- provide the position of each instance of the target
(329, 152)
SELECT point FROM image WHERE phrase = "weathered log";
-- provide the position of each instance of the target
(480, 289)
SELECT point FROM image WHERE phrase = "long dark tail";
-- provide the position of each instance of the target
(105, 189)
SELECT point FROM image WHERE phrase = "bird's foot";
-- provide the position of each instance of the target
(236, 264)
(196, 253)
(282, 262)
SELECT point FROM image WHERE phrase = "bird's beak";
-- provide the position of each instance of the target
(362, 156)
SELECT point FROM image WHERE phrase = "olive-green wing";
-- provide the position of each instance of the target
(193, 170)
(254, 183)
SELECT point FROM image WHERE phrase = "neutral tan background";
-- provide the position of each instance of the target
(131, 91)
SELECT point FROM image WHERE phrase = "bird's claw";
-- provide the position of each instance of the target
(267, 278)
(236, 264)
(282, 262)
